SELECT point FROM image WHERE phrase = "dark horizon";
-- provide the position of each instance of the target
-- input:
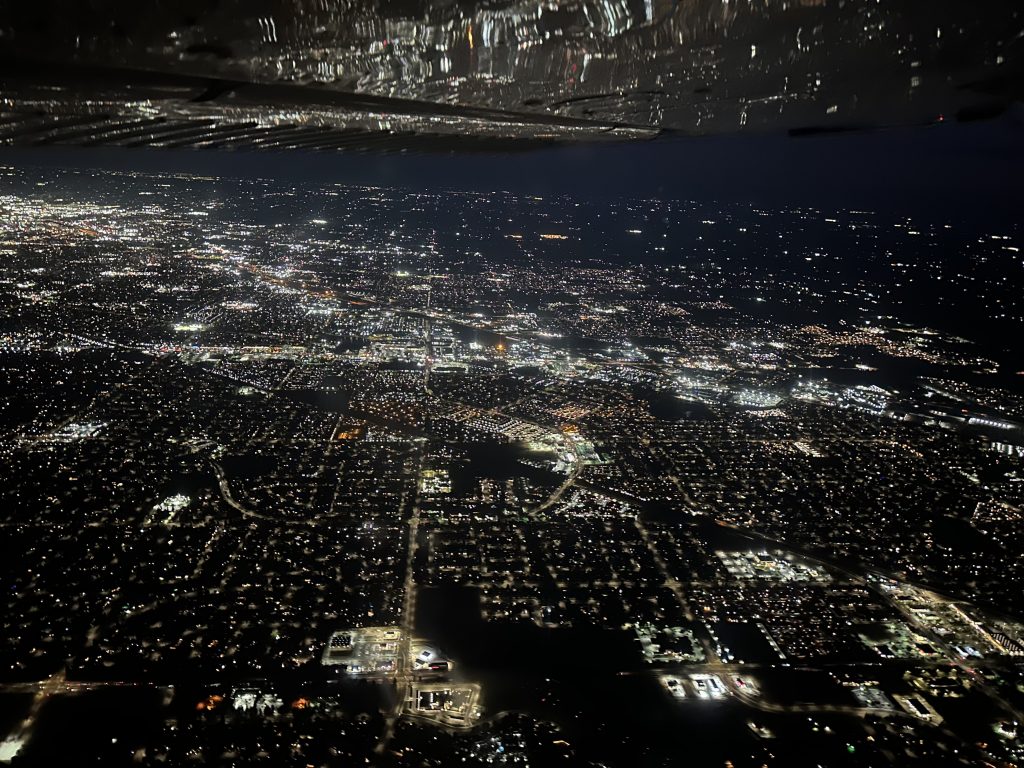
(961, 171)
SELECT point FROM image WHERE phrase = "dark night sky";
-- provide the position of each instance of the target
(961, 171)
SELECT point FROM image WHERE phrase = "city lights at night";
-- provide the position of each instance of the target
(598, 384)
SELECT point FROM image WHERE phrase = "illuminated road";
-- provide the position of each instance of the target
(765, 706)
(225, 492)
(55, 685)
(404, 678)
(570, 480)
(670, 581)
